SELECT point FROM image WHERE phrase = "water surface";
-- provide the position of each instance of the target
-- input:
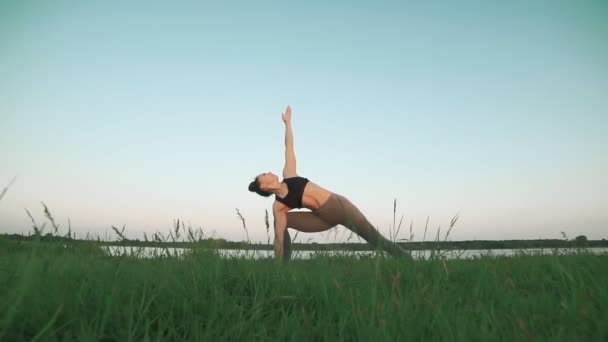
(150, 252)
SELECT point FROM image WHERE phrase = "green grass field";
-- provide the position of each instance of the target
(52, 293)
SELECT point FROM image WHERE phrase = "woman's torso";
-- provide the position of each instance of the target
(313, 196)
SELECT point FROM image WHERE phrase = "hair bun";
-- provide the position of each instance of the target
(253, 187)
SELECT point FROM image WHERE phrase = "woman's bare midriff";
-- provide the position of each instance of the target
(314, 196)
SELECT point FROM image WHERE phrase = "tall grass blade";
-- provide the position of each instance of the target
(7, 187)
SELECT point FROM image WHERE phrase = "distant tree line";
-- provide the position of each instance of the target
(579, 241)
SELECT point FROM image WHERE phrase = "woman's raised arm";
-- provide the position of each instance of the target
(290, 156)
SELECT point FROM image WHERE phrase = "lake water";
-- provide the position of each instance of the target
(150, 252)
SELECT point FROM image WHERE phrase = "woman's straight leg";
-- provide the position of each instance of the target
(357, 222)
(340, 210)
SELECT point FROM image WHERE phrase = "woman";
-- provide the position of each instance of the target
(328, 209)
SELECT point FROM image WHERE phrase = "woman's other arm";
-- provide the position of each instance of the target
(280, 226)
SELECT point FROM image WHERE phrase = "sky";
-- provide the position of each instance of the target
(139, 113)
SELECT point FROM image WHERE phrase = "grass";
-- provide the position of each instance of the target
(62, 291)
(52, 293)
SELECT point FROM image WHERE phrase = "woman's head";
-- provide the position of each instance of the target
(263, 183)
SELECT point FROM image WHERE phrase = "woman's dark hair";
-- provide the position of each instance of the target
(255, 187)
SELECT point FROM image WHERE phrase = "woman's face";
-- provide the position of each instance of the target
(266, 179)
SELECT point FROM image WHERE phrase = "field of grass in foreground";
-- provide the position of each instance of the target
(52, 293)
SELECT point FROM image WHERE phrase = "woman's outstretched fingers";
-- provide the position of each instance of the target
(287, 114)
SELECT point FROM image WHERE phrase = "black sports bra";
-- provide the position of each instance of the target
(296, 191)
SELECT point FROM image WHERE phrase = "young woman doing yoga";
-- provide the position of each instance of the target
(327, 209)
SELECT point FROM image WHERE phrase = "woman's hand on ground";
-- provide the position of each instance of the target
(287, 115)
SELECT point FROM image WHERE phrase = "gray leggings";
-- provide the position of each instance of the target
(338, 210)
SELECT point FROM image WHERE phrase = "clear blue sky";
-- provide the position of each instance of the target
(138, 113)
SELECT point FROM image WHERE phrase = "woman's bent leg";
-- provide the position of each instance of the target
(307, 222)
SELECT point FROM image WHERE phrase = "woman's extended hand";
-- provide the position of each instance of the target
(287, 115)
